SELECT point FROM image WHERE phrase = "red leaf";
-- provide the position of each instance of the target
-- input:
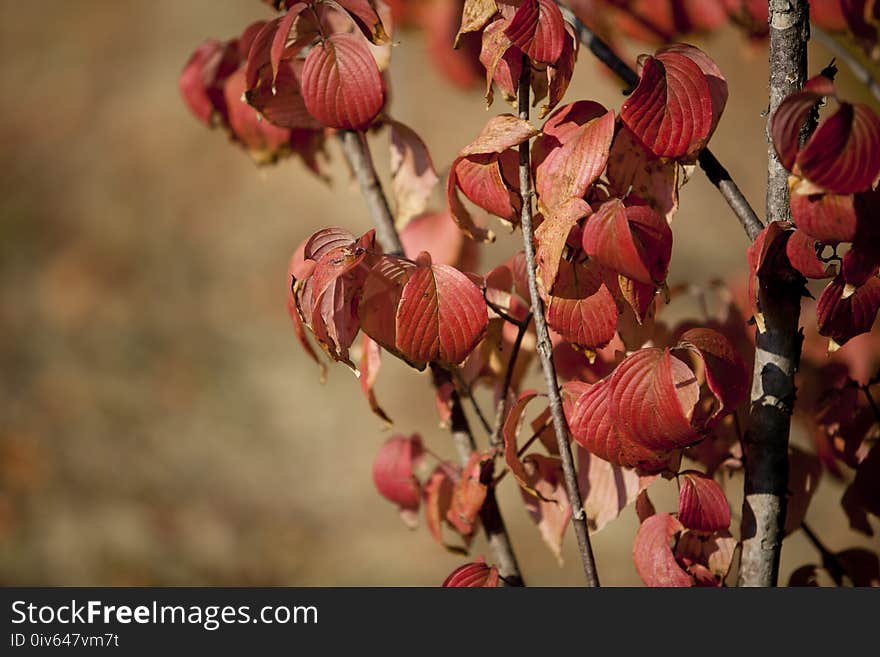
(296, 270)
(654, 179)
(509, 433)
(371, 360)
(201, 81)
(473, 575)
(843, 312)
(422, 312)
(715, 79)
(412, 173)
(631, 239)
(438, 500)
(469, 494)
(801, 251)
(653, 395)
(566, 168)
(594, 427)
(479, 179)
(843, 155)
(538, 29)
(652, 555)
(281, 102)
(670, 110)
(702, 504)
(552, 236)
(726, 374)
(393, 471)
(341, 83)
(265, 142)
(789, 118)
(581, 308)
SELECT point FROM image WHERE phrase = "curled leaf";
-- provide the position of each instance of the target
(652, 555)
(702, 504)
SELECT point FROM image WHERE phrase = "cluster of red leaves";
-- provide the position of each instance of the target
(692, 547)
(420, 311)
(652, 404)
(603, 251)
(213, 83)
(283, 82)
(453, 495)
(833, 203)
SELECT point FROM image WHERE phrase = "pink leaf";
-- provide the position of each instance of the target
(412, 172)
(652, 555)
(606, 488)
(550, 509)
(702, 504)
(341, 83)
(393, 471)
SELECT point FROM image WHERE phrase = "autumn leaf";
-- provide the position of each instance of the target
(341, 84)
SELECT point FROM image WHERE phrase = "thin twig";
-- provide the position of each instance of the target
(544, 347)
(778, 345)
(829, 560)
(501, 410)
(715, 171)
(357, 153)
(490, 514)
(859, 71)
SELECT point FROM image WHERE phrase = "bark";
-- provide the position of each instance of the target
(778, 346)
(545, 348)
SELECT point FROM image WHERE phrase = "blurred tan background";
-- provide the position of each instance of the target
(159, 425)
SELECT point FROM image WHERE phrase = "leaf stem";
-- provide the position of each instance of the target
(544, 346)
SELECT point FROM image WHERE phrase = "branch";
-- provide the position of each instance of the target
(357, 152)
(778, 347)
(490, 514)
(544, 347)
(714, 170)
(501, 411)
(859, 70)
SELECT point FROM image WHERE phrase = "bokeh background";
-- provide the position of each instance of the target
(158, 423)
